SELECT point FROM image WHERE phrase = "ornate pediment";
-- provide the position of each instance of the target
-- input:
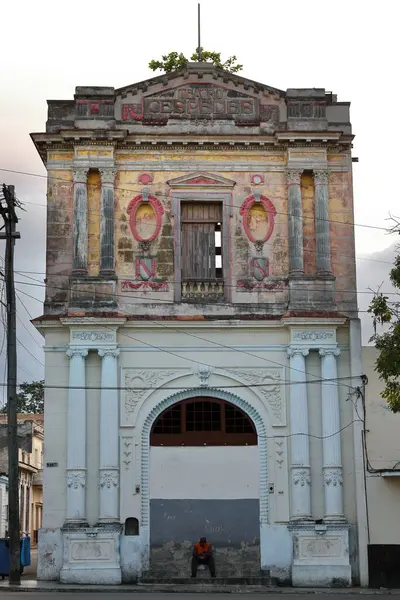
(199, 93)
(201, 179)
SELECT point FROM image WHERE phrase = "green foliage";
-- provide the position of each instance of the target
(174, 61)
(170, 62)
(385, 312)
(30, 398)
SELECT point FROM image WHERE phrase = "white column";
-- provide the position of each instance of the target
(300, 453)
(76, 451)
(332, 465)
(109, 436)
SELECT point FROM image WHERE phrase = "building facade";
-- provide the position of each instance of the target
(200, 290)
(382, 473)
(30, 467)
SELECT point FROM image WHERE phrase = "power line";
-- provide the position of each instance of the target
(119, 188)
(160, 349)
(40, 284)
(236, 386)
(154, 301)
(29, 352)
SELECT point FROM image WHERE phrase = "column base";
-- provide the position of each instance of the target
(92, 555)
(321, 555)
(75, 524)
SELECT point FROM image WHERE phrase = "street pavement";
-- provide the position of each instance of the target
(5, 595)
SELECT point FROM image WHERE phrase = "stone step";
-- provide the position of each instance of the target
(220, 580)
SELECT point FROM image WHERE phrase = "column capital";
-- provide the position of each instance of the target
(320, 177)
(333, 476)
(114, 352)
(294, 177)
(107, 176)
(77, 351)
(109, 479)
(76, 479)
(292, 351)
(79, 174)
(329, 351)
(301, 476)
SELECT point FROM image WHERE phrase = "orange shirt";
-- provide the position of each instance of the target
(202, 549)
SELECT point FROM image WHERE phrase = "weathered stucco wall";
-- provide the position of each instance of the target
(239, 284)
(382, 439)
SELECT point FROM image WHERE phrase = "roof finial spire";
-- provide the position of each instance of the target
(198, 33)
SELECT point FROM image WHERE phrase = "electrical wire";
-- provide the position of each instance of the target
(339, 291)
(160, 349)
(128, 295)
(139, 188)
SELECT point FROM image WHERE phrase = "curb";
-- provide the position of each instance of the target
(201, 588)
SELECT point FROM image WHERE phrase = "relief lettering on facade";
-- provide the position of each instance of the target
(199, 101)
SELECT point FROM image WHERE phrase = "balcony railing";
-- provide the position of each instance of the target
(203, 290)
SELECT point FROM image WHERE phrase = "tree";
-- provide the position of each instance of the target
(386, 312)
(174, 61)
(30, 398)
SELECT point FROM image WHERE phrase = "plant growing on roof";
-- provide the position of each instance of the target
(174, 61)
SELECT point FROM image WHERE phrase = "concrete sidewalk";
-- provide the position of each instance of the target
(50, 586)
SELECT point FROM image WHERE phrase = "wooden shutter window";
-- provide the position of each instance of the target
(199, 222)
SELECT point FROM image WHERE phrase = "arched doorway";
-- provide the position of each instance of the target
(204, 481)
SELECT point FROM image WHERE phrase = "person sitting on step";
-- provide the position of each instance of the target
(202, 555)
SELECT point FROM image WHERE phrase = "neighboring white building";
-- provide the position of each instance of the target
(382, 472)
(201, 333)
(3, 505)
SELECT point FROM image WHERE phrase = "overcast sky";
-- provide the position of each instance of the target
(348, 47)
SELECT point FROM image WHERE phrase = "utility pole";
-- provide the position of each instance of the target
(7, 211)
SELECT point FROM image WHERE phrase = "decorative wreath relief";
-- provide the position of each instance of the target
(258, 218)
(145, 215)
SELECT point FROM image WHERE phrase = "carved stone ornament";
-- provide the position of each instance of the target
(294, 177)
(328, 351)
(80, 175)
(127, 446)
(203, 373)
(141, 382)
(269, 387)
(333, 477)
(256, 229)
(144, 246)
(313, 336)
(109, 479)
(293, 351)
(76, 480)
(301, 477)
(320, 177)
(280, 453)
(83, 352)
(113, 352)
(107, 176)
(93, 336)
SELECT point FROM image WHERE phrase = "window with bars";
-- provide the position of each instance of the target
(205, 421)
